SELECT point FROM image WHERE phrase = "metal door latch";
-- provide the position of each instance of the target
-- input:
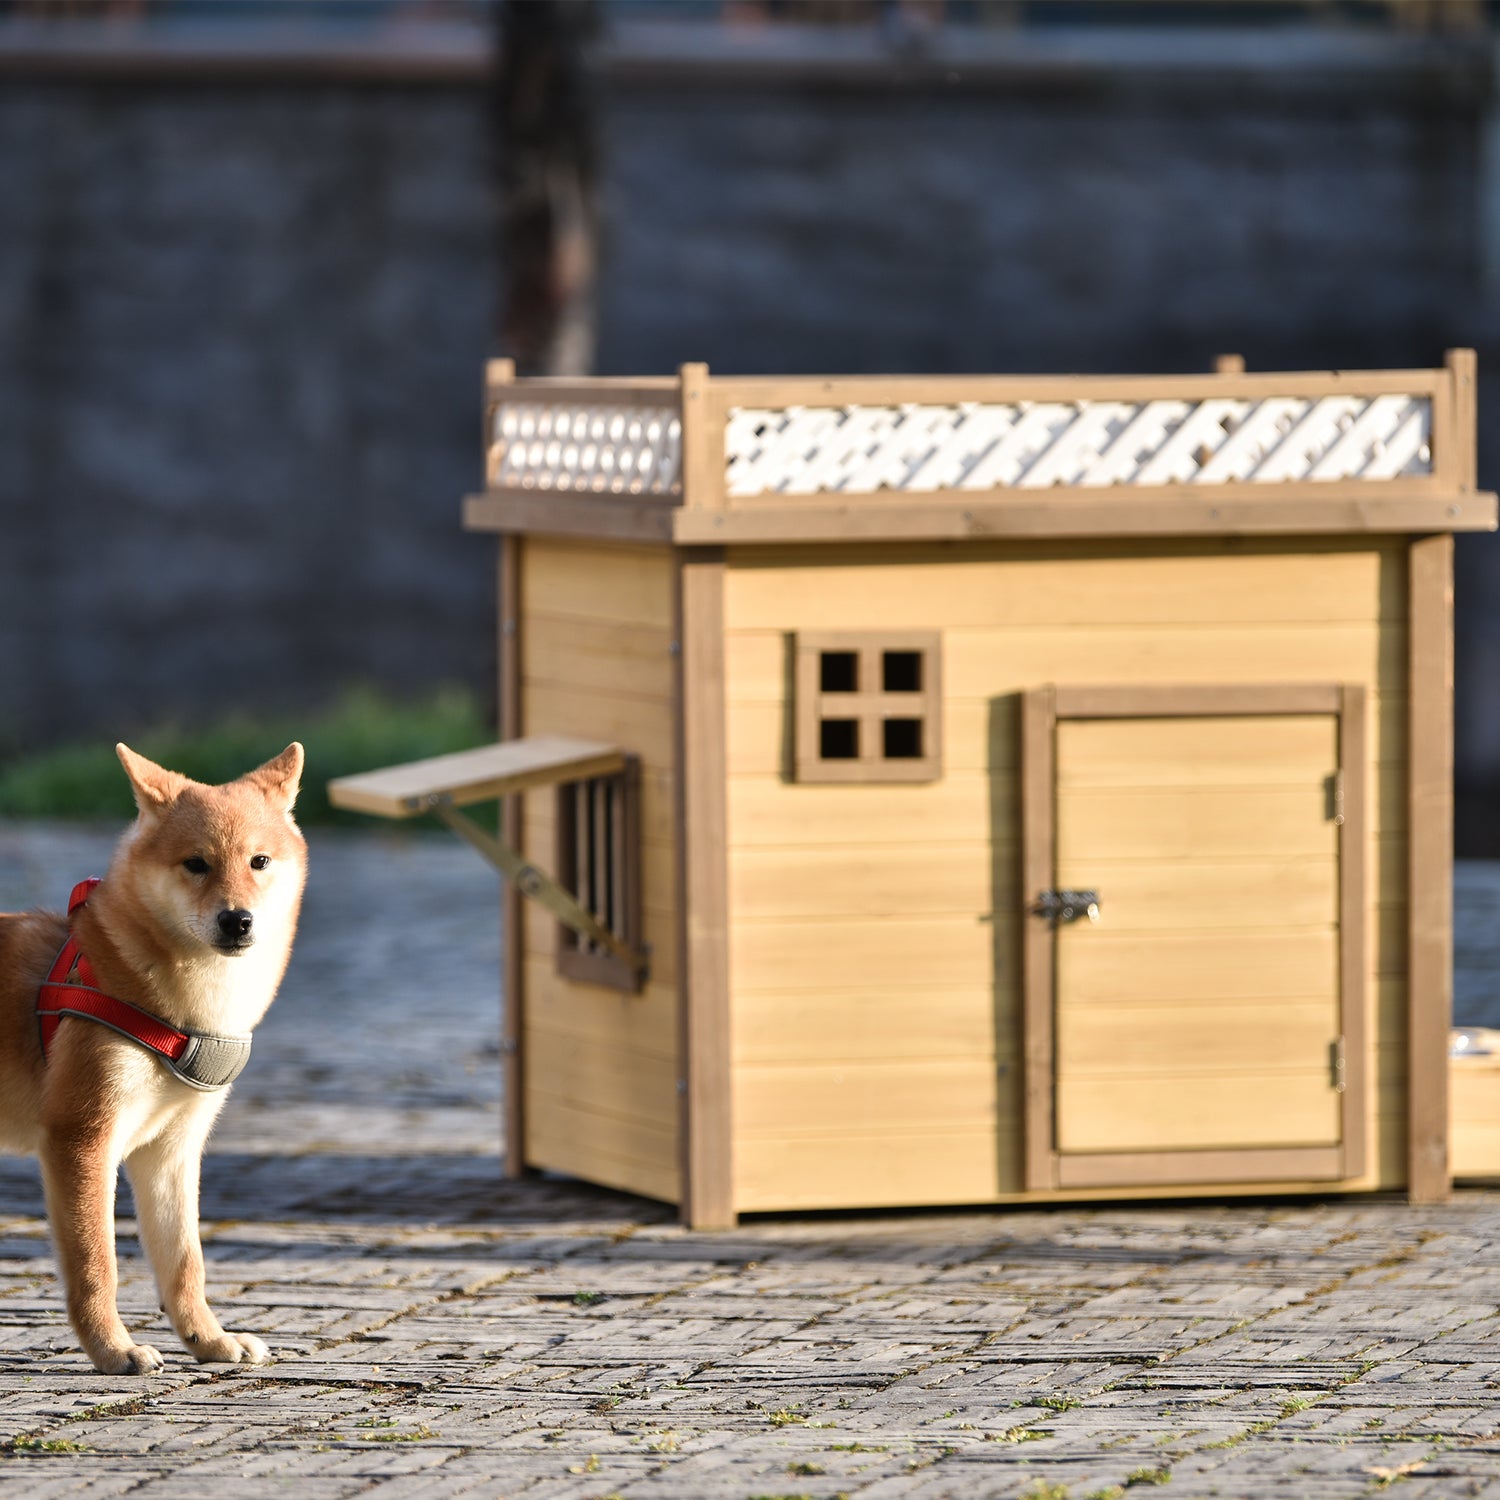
(1066, 906)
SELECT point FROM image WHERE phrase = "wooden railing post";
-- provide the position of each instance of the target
(702, 441)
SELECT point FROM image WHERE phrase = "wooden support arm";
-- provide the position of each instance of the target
(444, 783)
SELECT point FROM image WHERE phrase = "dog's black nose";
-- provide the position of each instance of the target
(236, 925)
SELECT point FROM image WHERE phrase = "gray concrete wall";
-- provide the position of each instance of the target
(242, 322)
(241, 333)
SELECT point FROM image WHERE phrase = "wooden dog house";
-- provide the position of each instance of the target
(981, 789)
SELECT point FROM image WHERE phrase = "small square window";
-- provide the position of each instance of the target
(869, 706)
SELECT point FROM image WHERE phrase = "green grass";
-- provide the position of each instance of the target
(363, 729)
(43, 1445)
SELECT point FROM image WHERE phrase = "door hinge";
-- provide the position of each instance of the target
(1337, 1064)
(1338, 798)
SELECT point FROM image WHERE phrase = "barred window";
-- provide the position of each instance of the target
(598, 863)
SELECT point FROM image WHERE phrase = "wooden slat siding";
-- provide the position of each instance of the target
(1168, 657)
(705, 1081)
(1163, 822)
(626, 661)
(1113, 971)
(981, 738)
(808, 883)
(702, 440)
(580, 601)
(867, 1024)
(1323, 580)
(622, 1022)
(789, 1099)
(879, 1169)
(627, 1084)
(1038, 861)
(1356, 977)
(767, 811)
(1173, 656)
(1474, 1096)
(624, 720)
(629, 596)
(512, 1024)
(1290, 510)
(1107, 1036)
(1332, 599)
(828, 953)
(633, 1155)
(1430, 951)
(1171, 1112)
(1263, 896)
(959, 1165)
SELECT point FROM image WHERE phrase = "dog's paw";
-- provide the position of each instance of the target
(135, 1359)
(232, 1349)
(256, 1352)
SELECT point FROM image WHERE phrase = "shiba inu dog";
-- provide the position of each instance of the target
(122, 1024)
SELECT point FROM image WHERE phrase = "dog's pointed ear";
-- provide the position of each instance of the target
(280, 777)
(155, 787)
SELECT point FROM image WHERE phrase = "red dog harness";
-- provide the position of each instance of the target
(196, 1057)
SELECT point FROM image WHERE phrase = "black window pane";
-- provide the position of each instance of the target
(838, 739)
(903, 739)
(838, 672)
(901, 671)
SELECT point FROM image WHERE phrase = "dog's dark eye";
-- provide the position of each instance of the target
(259, 861)
(195, 864)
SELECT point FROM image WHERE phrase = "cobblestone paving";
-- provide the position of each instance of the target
(439, 1332)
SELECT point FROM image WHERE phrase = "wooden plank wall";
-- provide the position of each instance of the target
(601, 1066)
(875, 930)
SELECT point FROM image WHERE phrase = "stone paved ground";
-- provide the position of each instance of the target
(440, 1332)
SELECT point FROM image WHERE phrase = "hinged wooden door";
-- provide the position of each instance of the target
(1194, 964)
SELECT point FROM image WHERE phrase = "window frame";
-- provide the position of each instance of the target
(617, 824)
(869, 705)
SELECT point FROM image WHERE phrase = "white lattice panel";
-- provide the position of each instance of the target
(600, 449)
(805, 450)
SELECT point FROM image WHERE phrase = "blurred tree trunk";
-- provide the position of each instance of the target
(549, 222)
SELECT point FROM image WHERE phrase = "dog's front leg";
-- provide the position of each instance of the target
(78, 1176)
(164, 1177)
